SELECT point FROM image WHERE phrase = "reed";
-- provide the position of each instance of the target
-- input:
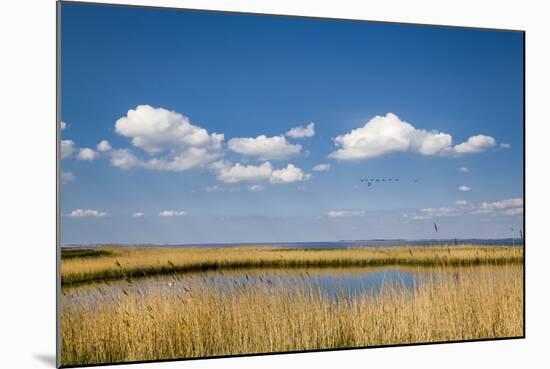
(473, 302)
(122, 262)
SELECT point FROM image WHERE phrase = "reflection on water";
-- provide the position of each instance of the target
(334, 282)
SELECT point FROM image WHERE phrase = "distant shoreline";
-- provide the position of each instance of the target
(321, 244)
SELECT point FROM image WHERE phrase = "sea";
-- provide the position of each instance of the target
(342, 244)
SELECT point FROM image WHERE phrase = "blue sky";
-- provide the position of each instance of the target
(197, 111)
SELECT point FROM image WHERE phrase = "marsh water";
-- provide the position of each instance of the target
(337, 283)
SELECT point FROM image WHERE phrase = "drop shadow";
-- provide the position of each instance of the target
(48, 359)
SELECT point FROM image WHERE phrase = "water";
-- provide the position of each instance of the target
(335, 283)
(343, 244)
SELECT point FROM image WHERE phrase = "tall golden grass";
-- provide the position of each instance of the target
(117, 262)
(473, 302)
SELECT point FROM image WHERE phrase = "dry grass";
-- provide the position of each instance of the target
(118, 262)
(204, 320)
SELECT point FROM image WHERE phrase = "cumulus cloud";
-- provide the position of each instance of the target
(159, 131)
(389, 134)
(124, 159)
(63, 125)
(172, 213)
(288, 175)
(104, 146)
(504, 146)
(299, 132)
(321, 168)
(81, 213)
(67, 148)
(264, 148)
(255, 188)
(475, 144)
(138, 214)
(86, 154)
(345, 213)
(463, 169)
(245, 173)
(229, 173)
(464, 188)
(67, 177)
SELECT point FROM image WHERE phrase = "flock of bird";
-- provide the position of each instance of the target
(371, 181)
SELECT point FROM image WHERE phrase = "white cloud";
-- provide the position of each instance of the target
(514, 211)
(80, 213)
(124, 159)
(104, 146)
(503, 204)
(288, 175)
(264, 148)
(388, 134)
(464, 188)
(228, 173)
(86, 154)
(190, 158)
(63, 125)
(321, 168)
(345, 213)
(245, 173)
(67, 177)
(157, 129)
(439, 212)
(161, 131)
(475, 144)
(430, 213)
(172, 213)
(299, 132)
(478, 211)
(67, 148)
(504, 146)
(255, 188)
(138, 214)
(463, 169)
(507, 207)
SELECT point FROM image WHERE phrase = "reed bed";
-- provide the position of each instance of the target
(122, 262)
(473, 302)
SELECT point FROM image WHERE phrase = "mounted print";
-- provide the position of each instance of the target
(241, 184)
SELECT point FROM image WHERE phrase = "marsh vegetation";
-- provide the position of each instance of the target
(149, 304)
(121, 262)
